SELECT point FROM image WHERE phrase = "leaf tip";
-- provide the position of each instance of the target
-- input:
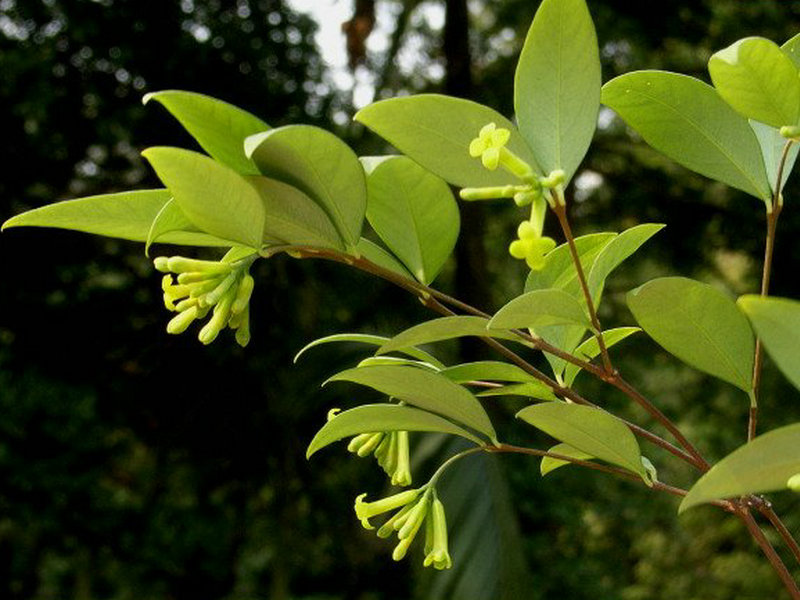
(147, 97)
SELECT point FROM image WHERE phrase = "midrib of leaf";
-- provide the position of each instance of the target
(703, 134)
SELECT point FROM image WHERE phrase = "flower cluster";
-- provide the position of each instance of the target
(391, 451)
(194, 288)
(416, 508)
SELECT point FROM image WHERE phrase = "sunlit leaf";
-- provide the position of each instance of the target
(540, 308)
(430, 391)
(772, 145)
(615, 252)
(212, 196)
(414, 213)
(550, 464)
(436, 130)
(169, 222)
(588, 429)
(445, 328)
(777, 323)
(320, 165)
(699, 324)
(758, 80)
(557, 84)
(383, 417)
(591, 349)
(292, 217)
(220, 128)
(763, 465)
(125, 215)
(687, 120)
(372, 340)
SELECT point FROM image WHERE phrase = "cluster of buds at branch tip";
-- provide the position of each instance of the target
(390, 448)
(194, 288)
(416, 508)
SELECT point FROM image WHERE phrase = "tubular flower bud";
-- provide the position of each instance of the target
(794, 483)
(531, 246)
(391, 450)
(417, 509)
(194, 288)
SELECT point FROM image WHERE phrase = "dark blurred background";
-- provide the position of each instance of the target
(137, 465)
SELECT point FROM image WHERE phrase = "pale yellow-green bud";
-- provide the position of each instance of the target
(161, 263)
(794, 483)
(180, 322)
(181, 264)
(243, 329)
(243, 293)
(217, 323)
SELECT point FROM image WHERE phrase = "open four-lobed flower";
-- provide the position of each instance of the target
(194, 288)
(531, 246)
(415, 509)
(488, 145)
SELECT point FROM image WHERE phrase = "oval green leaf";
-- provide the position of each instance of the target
(378, 256)
(763, 465)
(529, 389)
(777, 323)
(699, 324)
(540, 308)
(372, 340)
(758, 80)
(590, 349)
(212, 196)
(445, 328)
(319, 164)
(487, 370)
(687, 120)
(615, 252)
(383, 417)
(169, 222)
(220, 128)
(589, 430)
(550, 464)
(436, 130)
(414, 213)
(124, 215)
(557, 85)
(424, 389)
(292, 217)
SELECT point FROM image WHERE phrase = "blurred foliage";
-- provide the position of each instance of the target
(137, 465)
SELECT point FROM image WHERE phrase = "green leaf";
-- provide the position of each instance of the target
(383, 417)
(777, 323)
(373, 361)
(319, 164)
(445, 328)
(590, 430)
(430, 391)
(591, 349)
(529, 389)
(763, 465)
(615, 252)
(557, 85)
(169, 222)
(487, 370)
(436, 130)
(699, 324)
(540, 308)
(758, 80)
(414, 213)
(550, 464)
(373, 340)
(377, 255)
(220, 128)
(792, 49)
(559, 272)
(212, 196)
(125, 215)
(772, 143)
(292, 217)
(687, 120)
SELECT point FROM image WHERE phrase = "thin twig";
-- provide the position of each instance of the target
(769, 551)
(767, 510)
